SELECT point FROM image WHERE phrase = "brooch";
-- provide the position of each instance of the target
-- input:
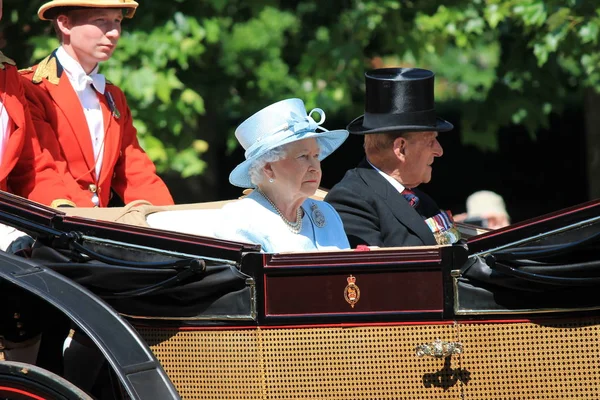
(317, 216)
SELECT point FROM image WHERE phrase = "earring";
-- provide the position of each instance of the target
(271, 180)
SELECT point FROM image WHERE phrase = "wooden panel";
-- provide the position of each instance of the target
(400, 291)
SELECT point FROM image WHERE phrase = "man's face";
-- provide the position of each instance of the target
(92, 33)
(417, 152)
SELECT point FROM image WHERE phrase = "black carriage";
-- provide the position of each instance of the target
(509, 314)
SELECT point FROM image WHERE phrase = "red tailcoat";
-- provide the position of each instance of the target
(26, 170)
(62, 129)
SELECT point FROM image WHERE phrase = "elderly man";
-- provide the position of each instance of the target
(378, 201)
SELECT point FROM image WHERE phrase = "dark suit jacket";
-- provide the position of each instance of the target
(375, 214)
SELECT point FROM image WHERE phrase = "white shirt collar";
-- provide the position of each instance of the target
(77, 76)
(399, 187)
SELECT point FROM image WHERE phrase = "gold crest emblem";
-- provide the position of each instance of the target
(351, 291)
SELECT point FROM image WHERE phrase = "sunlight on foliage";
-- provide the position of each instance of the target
(192, 71)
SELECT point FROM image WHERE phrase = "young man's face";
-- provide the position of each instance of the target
(92, 34)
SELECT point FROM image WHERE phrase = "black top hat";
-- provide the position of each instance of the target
(399, 100)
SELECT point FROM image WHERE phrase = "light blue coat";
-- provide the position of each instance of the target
(252, 219)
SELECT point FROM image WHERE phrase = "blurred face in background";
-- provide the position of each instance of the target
(496, 221)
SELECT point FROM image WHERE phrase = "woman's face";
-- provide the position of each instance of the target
(299, 173)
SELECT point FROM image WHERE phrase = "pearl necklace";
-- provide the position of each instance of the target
(295, 227)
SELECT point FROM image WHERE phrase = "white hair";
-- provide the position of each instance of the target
(256, 168)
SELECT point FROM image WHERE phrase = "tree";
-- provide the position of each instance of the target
(193, 70)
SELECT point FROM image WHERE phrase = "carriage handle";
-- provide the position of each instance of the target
(439, 349)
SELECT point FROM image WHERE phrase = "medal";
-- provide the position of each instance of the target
(112, 105)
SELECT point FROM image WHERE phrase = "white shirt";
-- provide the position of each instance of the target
(400, 187)
(88, 97)
(5, 129)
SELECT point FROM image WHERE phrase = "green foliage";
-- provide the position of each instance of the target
(192, 71)
(547, 51)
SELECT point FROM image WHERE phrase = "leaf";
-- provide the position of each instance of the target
(589, 32)
(558, 19)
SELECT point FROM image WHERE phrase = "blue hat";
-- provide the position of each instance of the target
(276, 125)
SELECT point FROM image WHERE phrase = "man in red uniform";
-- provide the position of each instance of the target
(25, 169)
(29, 172)
(82, 119)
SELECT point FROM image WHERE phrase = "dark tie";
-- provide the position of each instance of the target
(411, 197)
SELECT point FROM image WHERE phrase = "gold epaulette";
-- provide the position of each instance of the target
(48, 69)
(24, 71)
(5, 60)
(61, 203)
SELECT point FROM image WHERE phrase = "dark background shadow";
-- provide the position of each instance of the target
(535, 176)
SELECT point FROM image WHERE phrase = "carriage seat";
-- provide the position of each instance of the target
(191, 221)
(173, 218)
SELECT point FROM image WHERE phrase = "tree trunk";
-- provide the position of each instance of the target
(592, 125)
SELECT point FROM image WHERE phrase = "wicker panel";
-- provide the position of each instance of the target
(332, 363)
(210, 364)
(500, 361)
(528, 361)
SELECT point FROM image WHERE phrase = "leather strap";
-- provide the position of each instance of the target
(2, 357)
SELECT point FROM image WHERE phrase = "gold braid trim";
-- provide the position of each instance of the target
(48, 69)
(5, 60)
(62, 202)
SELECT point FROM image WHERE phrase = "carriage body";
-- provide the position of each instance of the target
(510, 314)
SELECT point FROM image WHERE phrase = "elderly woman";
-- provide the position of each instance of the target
(284, 148)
